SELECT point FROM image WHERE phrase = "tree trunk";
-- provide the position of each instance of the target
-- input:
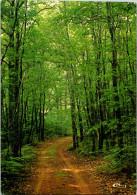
(43, 120)
(114, 73)
(80, 120)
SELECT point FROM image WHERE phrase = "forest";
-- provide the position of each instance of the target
(68, 68)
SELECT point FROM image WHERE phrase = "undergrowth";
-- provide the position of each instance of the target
(116, 160)
(120, 161)
(85, 150)
(15, 169)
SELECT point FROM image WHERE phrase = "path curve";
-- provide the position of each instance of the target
(59, 172)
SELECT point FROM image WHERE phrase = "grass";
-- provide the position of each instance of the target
(52, 150)
(106, 168)
(70, 147)
(60, 174)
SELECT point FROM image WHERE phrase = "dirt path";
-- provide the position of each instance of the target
(59, 172)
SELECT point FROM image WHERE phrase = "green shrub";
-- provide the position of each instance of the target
(14, 167)
(85, 148)
(121, 160)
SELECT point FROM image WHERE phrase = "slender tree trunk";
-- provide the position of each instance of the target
(40, 121)
(114, 77)
(43, 120)
(80, 120)
(73, 117)
(87, 101)
(31, 129)
(13, 81)
(36, 121)
(70, 73)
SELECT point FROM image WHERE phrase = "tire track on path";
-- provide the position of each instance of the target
(44, 171)
(61, 173)
(84, 189)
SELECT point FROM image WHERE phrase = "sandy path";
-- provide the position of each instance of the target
(59, 172)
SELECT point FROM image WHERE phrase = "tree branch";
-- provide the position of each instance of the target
(2, 59)
(44, 9)
(5, 62)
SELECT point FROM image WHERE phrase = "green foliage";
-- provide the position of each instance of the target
(92, 130)
(85, 149)
(11, 167)
(15, 167)
(58, 123)
(27, 154)
(120, 160)
(70, 147)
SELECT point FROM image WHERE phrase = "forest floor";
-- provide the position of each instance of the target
(57, 171)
